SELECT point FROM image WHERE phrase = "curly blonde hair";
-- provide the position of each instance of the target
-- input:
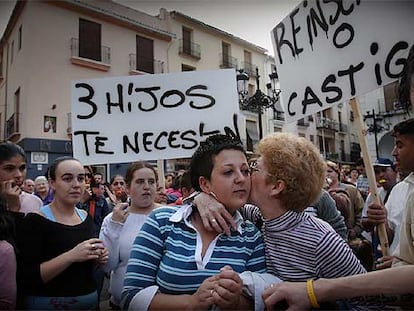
(298, 163)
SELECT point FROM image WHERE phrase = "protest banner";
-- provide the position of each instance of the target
(150, 117)
(328, 52)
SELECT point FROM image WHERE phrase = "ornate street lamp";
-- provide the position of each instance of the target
(259, 101)
(377, 123)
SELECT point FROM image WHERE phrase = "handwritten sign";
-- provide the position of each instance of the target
(149, 117)
(330, 51)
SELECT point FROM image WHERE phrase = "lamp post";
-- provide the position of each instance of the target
(259, 101)
(374, 125)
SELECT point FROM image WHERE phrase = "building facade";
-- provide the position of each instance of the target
(48, 44)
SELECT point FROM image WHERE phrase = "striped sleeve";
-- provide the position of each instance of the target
(146, 254)
(335, 258)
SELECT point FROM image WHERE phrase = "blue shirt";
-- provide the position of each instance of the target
(167, 253)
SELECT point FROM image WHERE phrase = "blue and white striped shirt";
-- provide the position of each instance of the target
(167, 253)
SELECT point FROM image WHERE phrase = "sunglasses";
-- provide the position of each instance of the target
(253, 168)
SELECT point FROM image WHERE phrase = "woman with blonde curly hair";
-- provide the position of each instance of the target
(286, 178)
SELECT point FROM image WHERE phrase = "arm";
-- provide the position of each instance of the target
(109, 234)
(33, 270)
(358, 207)
(7, 276)
(327, 211)
(210, 209)
(87, 250)
(334, 258)
(398, 281)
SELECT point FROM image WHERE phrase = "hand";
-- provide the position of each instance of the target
(86, 250)
(214, 215)
(86, 195)
(123, 196)
(11, 192)
(120, 212)
(104, 255)
(228, 289)
(111, 196)
(376, 214)
(161, 196)
(384, 262)
(293, 293)
(352, 234)
(203, 297)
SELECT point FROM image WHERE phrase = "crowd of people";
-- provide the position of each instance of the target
(284, 229)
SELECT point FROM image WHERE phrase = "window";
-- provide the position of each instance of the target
(1, 63)
(89, 40)
(11, 52)
(17, 105)
(390, 97)
(145, 54)
(225, 47)
(247, 65)
(20, 39)
(252, 135)
(187, 40)
(187, 68)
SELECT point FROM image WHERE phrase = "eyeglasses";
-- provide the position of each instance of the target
(253, 168)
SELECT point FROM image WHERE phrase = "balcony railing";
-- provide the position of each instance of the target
(322, 122)
(190, 48)
(249, 68)
(145, 64)
(105, 56)
(12, 125)
(228, 61)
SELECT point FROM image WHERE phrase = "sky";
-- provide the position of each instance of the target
(246, 19)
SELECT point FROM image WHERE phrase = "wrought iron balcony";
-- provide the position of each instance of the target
(190, 49)
(104, 57)
(147, 65)
(249, 68)
(228, 61)
(325, 123)
(12, 125)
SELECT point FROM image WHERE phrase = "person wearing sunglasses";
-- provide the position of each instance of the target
(287, 177)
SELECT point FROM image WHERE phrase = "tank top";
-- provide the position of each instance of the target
(46, 210)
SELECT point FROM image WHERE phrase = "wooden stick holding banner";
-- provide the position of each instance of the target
(359, 124)
(161, 175)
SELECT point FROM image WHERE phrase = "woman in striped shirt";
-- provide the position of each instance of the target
(176, 263)
(286, 178)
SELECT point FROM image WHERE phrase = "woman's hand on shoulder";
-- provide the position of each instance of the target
(214, 215)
